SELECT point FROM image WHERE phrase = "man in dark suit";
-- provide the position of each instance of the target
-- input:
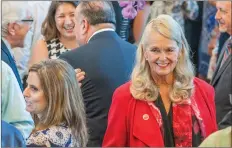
(106, 59)
(16, 21)
(222, 80)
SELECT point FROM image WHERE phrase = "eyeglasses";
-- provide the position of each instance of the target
(25, 21)
(29, 21)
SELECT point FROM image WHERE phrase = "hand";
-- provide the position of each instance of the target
(212, 45)
(80, 75)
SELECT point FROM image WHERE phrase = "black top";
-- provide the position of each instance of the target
(168, 126)
(167, 123)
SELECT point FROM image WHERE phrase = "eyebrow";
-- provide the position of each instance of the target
(222, 9)
(62, 13)
(31, 85)
(154, 46)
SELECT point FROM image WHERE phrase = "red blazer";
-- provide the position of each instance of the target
(128, 127)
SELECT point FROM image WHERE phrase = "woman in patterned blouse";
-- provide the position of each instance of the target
(58, 32)
(54, 99)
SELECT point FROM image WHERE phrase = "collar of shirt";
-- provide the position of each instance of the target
(99, 31)
(230, 45)
(8, 46)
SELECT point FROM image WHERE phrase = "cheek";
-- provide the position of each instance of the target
(26, 28)
(151, 57)
(72, 19)
(174, 58)
(228, 21)
(43, 102)
(76, 29)
(39, 104)
(37, 98)
(59, 24)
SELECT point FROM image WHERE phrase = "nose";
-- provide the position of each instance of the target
(217, 16)
(162, 55)
(26, 92)
(68, 20)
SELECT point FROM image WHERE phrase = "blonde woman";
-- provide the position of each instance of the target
(164, 104)
(54, 99)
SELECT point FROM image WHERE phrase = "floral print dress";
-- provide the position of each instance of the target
(55, 136)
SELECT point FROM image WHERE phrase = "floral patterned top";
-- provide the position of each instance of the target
(55, 136)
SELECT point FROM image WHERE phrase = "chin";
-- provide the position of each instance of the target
(222, 29)
(163, 73)
(71, 37)
(28, 110)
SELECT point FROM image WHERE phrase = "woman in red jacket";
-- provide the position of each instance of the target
(164, 104)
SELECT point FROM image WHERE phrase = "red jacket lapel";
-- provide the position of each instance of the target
(145, 126)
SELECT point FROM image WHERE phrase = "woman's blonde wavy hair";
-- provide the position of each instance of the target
(143, 86)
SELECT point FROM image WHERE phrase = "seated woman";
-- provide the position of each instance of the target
(58, 32)
(54, 99)
(164, 104)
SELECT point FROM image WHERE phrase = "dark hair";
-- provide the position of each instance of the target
(49, 30)
(98, 12)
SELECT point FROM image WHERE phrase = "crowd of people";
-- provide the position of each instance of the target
(82, 74)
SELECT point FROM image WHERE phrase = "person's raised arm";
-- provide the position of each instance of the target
(140, 22)
(39, 52)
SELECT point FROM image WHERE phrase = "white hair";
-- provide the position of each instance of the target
(143, 87)
(13, 11)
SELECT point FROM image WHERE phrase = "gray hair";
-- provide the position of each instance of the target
(13, 11)
(98, 12)
(143, 86)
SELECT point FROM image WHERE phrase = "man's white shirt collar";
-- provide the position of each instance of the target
(99, 31)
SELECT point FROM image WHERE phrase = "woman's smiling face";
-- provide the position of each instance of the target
(161, 53)
(64, 19)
